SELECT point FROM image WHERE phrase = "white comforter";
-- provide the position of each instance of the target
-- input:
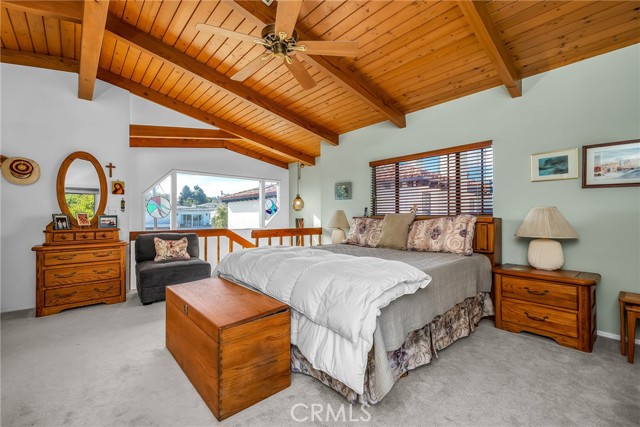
(336, 299)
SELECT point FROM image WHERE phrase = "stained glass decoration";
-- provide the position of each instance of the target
(270, 206)
(158, 207)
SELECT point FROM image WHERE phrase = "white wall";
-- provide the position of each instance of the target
(590, 102)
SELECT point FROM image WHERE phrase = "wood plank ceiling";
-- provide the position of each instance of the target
(412, 55)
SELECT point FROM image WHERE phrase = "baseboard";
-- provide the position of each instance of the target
(613, 336)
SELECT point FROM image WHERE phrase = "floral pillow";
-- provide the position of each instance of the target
(364, 232)
(426, 235)
(447, 234)
(171, 249)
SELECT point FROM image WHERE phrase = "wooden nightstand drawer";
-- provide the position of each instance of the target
(81, 274)
(74, 294)
(540, 317)
(540, 292)
(72, 257)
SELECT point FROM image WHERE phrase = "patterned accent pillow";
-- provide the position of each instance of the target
(364, 232)
(171, 249)
(426, 235)
(458, 234)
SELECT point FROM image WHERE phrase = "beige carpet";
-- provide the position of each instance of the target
(108, 366)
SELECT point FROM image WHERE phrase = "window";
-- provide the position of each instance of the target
(81, 200)
(451, 181)
(193, 200)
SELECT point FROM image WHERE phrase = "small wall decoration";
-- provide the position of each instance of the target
(612, 164)
(61, 222)
(343, 191)
(554, 165)
(117, 187)
(19, 170)
(108, 221)
(83, 219)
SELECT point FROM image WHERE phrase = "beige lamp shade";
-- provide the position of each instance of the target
(338, 221)
(546, 223)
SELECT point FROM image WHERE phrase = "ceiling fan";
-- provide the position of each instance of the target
(280, 41)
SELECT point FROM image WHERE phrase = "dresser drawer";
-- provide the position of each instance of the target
(63, 237)
(74, 294)
(106, 235)
(540, 317)
(540, 292)
(87, 235)
(64, 258)
(81, 274)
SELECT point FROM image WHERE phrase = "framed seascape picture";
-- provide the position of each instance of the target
(343, 191)
(562, 164)
(61, 222)
(83, 219)
(108, 221)
(612, 164)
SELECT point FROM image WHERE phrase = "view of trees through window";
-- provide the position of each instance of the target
(209, 201)
(81, 202)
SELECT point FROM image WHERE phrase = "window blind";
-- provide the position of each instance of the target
(452, 181)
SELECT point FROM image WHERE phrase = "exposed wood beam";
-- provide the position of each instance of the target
(93, 21)
(203, 116)
(147, 131)
(249, 153)
(260, 14)
(67, 10)
(488, 36)
(29, 59)
(156, 48)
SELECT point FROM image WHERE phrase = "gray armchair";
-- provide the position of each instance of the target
(153, 277)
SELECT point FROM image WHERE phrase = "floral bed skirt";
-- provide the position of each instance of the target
(418, 349)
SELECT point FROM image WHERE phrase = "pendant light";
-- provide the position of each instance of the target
(298, 203)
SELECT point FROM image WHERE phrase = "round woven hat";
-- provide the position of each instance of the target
(20, 170)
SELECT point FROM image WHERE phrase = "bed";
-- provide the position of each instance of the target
(411, 330)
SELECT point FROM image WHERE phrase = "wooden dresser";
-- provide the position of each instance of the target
(559, 304)
(79, 267)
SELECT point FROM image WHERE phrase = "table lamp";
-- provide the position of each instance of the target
(544, 224)
(338, 221)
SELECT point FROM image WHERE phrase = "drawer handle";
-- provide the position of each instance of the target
(70, 294)
(85, 236)
(65, 276)
(63, 237)
(543, 293)
(102, 291)
(104, 235)
(101, 255)
(109, 270)
(537, 319)
(64, 258)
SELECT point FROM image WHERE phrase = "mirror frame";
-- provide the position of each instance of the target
(62, 174)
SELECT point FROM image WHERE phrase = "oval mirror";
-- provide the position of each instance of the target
(81, 187)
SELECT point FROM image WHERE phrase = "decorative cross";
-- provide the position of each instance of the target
(111, 167)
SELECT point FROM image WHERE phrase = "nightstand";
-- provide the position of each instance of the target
(558, 304)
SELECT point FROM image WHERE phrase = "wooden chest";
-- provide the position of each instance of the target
(75, 275)
(231, 342)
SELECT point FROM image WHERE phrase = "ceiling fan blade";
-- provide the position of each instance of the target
(300, 73)
(226, 33)
(287, 15)
(252, 67)
(335, 48)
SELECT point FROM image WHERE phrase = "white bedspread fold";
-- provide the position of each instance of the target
(337, 299)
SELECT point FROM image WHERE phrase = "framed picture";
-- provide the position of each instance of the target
(555, 165)
(83, 219)
(117, 187)
(61, 222)
(343, 191)
(108, 221)
(612, 164)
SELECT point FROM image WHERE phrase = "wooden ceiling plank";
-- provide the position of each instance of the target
(38, 35)
(204, 45)
(12, 56)
(142, 64)
(475, 88)
(198, 114)
(8, 35)
(175, 142)
(357, 88)
(560, 13)
(68, 39)
(67, 10)
(163, 74)
(179, 21)
(150, 131)
(183, 82)
(152, 71)
(156, 48)
(232, 50)
(163, 18)
(189, 33)
(21, 30)
(119, 56)
(93, 21)
(132, 11)
(148, 15)
(209, 54)
(52, 34)
(505, 7)
(250, 153)
(534, 11)
(173, 78)
(193, 86)
(106, 52)
(207, 95)
(116, 7)
(488, 36)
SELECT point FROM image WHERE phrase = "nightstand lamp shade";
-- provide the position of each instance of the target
(544, 224)
(338, 221)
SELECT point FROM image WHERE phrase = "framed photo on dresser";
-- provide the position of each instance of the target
(61, 222)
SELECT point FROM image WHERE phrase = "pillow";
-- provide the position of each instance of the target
(395, 230)
(458, 234)
(171, 249)
(426, 235)
(364, 232)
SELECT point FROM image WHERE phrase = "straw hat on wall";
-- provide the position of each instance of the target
(19, 170)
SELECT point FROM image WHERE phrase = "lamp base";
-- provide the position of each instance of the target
(338, 236)
(545, 254)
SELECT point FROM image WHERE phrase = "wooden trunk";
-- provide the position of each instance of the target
(231, 342)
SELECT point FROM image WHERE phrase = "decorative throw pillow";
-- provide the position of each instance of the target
(458, 234)
(364, 232)
(171, 249)
(395, 230)
(426, 235)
